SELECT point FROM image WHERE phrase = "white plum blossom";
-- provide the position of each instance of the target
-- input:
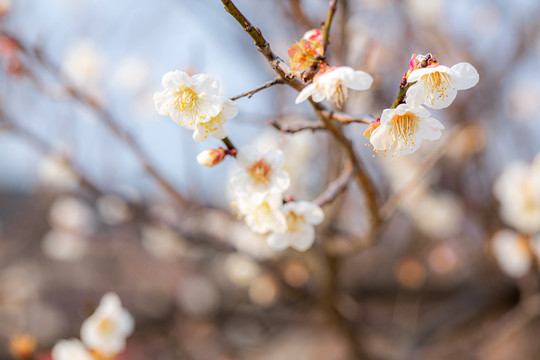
(518, 191)
(301, 217)
(261, 173)
(194, 102)
(436, 86)
(105, 331)
(512, 252)
(71, 349)
(214, 126)
(403, 129)
(262, 214)
(333, 83)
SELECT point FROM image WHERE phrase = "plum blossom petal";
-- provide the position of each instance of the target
(403, 129)
(436, 86)
(332, 83)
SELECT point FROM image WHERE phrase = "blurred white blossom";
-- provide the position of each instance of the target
(84, 64)
(106, 330)
(301, 216)
(71, 349)
(64, 246)
(55, 172)
(518, 191)
(71, 214)
(113, 209)
(262, 214)
(512, 252)
(260, 173)
(131, 74)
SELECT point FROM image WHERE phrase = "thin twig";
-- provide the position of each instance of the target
(332, 6)
(266, 85)
(336, 187)
(363, 179)
(275, 61)
(296, 128)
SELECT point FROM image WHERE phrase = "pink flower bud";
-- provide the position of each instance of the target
(211, 157)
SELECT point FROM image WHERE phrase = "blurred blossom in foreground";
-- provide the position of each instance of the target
(518, 190)
(240, 270)
(71, 349)
(106, 330)
(4, 6)
(83, 65)
(512, 252)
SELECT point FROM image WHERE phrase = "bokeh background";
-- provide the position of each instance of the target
(91, 176)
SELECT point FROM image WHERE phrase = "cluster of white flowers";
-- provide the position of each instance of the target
(402, 129)
(103, 334)
(258, 188)
(194, 102)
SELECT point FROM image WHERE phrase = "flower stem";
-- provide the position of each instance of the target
(230, 146)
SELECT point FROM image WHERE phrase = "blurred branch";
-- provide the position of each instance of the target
(107, 119)
(345, 118)
(336, 187)
(299, 14)
(249, 94)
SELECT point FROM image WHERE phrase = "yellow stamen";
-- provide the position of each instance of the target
(437, 82)
(106, 326)
(295, 221)
(260, 171)
(404, 128)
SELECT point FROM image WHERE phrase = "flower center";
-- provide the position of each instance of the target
(106, 326)
(437, 82)
(260, 171)
(404, 128)
(340, 95)
(295, 221)
(185, 99)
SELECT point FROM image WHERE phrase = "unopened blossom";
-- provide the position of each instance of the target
(189, 100)
(518, 191)
(260, 173)
(71, 349)
(333, 83)
(106, 330)
(403, 129)
(512, 252)
(436, 85)
(262, 214)
(301, 217)
(371, 128)
(211, 157)
(307, 52)
(214, 126)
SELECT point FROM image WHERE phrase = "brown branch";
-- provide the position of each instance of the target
(345, 118)
(296, 128)
(336, 187)
(332, 6)
(275, 61)
(363, 179)
(249, 94)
